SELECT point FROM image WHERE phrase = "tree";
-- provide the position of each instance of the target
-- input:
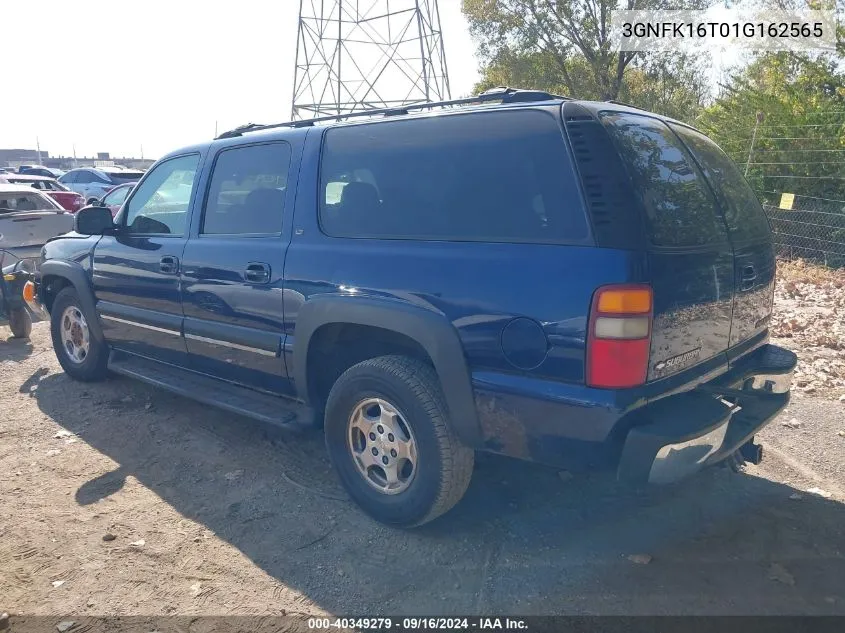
(566, 43)
(800, 142)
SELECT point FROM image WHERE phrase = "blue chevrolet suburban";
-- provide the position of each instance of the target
(583, 284)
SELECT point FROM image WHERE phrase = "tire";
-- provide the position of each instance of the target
(90, 366)
(20, 323)
(443, 467)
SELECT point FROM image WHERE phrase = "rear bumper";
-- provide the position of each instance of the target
(679, 435)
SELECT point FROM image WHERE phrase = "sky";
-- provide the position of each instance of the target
(144, 78)
(112, 76)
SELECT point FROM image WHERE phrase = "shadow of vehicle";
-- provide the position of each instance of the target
(523, 541)
(13, 349)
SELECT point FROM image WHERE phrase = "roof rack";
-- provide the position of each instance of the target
(501, 94)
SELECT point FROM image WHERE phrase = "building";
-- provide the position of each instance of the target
(15, 157)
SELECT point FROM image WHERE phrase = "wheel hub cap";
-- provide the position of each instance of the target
(75, 335)
(382, 445)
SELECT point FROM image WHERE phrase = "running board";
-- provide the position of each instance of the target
(223, 395)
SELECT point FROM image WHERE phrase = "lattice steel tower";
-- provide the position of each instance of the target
(354, 55)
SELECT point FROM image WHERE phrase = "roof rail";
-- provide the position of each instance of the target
(500, 94)
(627, 105)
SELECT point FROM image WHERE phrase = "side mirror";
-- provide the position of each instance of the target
(93, 221)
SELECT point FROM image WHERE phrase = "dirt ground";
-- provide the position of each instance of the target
(209, 513)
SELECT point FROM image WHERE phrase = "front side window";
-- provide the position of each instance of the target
(160, 203)
(680, 210)
(493, 176)
(247, 190)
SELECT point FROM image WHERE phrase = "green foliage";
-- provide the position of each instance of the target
(564, 47)
(799, 142)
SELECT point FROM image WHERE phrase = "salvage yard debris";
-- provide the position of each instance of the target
(809, 318)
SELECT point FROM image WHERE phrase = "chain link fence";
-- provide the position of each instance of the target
(807, 227)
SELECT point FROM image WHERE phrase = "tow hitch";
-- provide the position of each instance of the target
(751, 452)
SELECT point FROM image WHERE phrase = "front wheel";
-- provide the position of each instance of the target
(81, 355)
(390, 440)
(20, 323)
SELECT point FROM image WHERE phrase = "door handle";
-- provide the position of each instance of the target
(169, 265)
(257, 273)
(748, 277)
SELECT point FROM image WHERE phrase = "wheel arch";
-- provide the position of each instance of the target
(55, 275)
(431, 332)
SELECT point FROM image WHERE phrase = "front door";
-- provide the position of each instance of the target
(136, 271)
(232, 273)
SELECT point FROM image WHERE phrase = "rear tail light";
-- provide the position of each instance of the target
(619, 336)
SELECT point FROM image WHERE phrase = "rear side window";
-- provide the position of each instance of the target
(247, 191)
(746, 218)
(680, 209)
(495, 176)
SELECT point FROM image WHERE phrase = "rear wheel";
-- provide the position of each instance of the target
(390, 440)
(20, 323)
(81, 355)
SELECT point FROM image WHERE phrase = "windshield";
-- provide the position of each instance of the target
(16, 201)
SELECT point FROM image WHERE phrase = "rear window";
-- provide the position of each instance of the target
(746, 218)
(495, 176)
(679, 207)
(11, 202)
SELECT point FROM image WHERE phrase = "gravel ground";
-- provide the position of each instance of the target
(208, 513)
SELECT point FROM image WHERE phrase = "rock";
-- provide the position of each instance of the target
(126, 399)
(53, 452)
(65, 625)
(109, 537)
(235, 474)
(640, 559)
(841, 434)
(57, 583)
(794, 423)
(71, 440)
(196, 588)
(842, 398)
(138, 543)
(148, 406)
(796, 496)
(62, 434)
(4, 621)
(819, 492)
(564, 475)
(777, 572)
(340, 573)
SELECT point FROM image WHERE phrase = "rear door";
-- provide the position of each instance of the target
(232, 278)
(690, 259)
(750, 235)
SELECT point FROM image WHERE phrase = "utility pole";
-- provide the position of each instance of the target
(353, 56)
(38, 149)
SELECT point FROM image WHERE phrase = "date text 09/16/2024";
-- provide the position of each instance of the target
(418, 624)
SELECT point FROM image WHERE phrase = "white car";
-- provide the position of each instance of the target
(28, 218)
(95, 182)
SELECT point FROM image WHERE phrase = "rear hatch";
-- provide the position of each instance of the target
(750, 235)
(690, 259)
